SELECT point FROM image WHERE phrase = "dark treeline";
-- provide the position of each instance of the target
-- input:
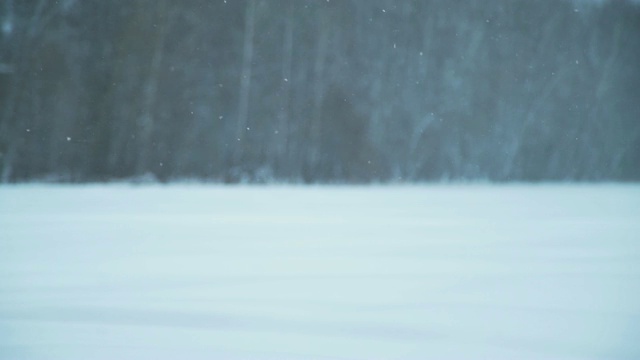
(319, 90)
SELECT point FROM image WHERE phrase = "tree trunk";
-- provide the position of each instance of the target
(282, 132)
(146, 119)
(245, 84)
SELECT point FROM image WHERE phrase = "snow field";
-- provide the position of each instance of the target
(277, 272)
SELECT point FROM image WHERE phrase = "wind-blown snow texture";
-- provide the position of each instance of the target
(437, 272)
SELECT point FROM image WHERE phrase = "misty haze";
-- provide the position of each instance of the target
(319, 179)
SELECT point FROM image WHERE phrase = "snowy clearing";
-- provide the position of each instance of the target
(416, 272)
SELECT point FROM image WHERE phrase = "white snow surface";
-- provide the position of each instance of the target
(288, 272)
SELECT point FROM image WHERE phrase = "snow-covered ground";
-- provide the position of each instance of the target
(415, 272)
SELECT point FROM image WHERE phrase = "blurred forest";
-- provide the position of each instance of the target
(344, 91)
